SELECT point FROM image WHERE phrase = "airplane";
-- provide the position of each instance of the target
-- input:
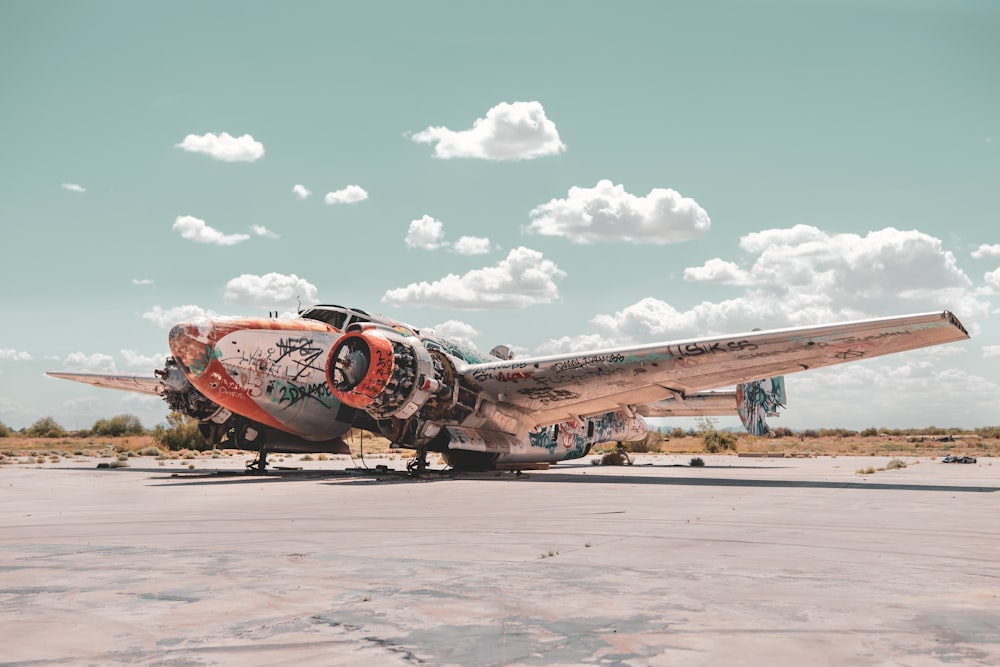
(299, 384)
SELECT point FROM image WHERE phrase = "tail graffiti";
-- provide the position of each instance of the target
(758, 400)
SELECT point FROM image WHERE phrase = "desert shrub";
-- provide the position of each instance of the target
(718, 441)
(866, 471)
(649, 444)
(614, 458)
(782, 432)
(809, 433)
(697, 462)
(181, 433)
(46, 427)
(894, 464)
(117, 426)
(4, 430)
(870, 432)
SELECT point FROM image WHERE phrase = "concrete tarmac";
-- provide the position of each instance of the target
(742, 562)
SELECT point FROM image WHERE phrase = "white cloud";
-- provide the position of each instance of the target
(457, 331)
(352, 194)
(991, 351)
(271, 290)
(607, 213)
(89, 363)
(300, 191)
(472, 245)
(992, 281)
(194, 229)
(135, 360)
(986, 251)
(142, 281)
(518, 131)
(717, 271)
(73, 187)
(425, 233)
(261, 230)
(166, 318)
(224, 146)
(524, 278)
(10, 354)
(804, 276)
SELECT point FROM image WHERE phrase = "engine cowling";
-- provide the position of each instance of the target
(383, 373)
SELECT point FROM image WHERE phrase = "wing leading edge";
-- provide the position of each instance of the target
(141, 384)
(551, 389)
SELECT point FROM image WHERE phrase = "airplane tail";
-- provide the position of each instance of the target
(758, 400)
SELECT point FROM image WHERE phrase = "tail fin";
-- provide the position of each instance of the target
(758, 400)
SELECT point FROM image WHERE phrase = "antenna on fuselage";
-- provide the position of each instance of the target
(299, 299)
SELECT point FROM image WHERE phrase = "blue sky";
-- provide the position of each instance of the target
(551, 176)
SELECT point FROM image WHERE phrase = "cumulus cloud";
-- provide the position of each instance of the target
(352, 194)
(135, 360)
(425, 233)
(457, 331)
(261, 230)
(524, 278)
(991, 351)
(986, 251)
(518, 131)
(271, 290)
(168, 317)
(89, 363)
(10, 354)
(196, 230)
(73, 187)
(607, 213)
(472, 245)
(717, 271)
(224, 147)
(803, 276)
(991, 280)
(142, 281)
(300, 191)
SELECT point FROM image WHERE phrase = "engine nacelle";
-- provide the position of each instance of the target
(383, 373)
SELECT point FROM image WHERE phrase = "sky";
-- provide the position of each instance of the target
(551, 176)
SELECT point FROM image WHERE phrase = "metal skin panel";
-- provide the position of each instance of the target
(141, 384)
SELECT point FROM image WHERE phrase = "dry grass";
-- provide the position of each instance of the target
(375, 446)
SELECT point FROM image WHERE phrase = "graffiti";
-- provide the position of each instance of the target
(301, 353)
(288, 394)
(513, 377)
(850, 354)
(201, 362)
(699, 349)
(755, 401)
(548, 394)
(573, 364)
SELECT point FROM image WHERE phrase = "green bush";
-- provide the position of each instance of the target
(118, 426)
(4, 430)
(718, 441)
(46, 427)
(182, 433)
(697, 462)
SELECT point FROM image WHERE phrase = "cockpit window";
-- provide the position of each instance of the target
(335, 317)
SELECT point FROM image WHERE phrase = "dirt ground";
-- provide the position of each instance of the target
(39, 450)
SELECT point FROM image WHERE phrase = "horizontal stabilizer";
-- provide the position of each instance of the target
(142, 384)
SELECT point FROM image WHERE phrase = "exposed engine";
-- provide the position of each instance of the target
(214, 421)
(410, 388)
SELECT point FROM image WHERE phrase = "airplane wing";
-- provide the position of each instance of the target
(141, 384)
(552, 389)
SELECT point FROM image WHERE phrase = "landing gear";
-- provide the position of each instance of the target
(259, 463)
(418, 464)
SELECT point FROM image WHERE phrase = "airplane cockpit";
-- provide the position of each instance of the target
(338, 317)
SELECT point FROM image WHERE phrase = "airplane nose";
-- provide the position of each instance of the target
(193, 344)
